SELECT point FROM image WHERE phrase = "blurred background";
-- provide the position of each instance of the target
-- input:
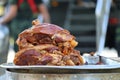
(94, 23)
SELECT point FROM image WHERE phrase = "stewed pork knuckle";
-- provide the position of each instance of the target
(47, 44)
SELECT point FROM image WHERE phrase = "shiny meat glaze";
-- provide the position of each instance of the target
(47, 44)
(50, 55)
(43, 34)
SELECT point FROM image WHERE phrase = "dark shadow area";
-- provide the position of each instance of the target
(113, 30)
(58, 13)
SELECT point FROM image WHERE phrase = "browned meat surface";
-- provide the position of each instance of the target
(47, 44)
(46, 55)
(45, 34)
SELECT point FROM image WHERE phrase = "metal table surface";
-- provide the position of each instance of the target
(91, 76)
(105, 74)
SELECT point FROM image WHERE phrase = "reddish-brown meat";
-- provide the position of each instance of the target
(47, 44)
(44, 34)
(46, 55)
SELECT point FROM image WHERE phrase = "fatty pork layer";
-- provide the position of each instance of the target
(47, 34)
(47, 55)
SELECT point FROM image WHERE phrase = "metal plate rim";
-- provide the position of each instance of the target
(91, 67)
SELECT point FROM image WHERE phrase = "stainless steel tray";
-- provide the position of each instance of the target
(12, 66)
(109, 66)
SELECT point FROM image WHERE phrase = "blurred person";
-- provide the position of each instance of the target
(21, 13)
(4, 34)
